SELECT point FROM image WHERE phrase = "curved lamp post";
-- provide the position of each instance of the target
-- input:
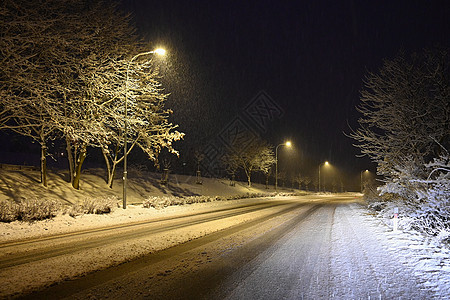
(158, 51)
(287, 144)
(322, 164)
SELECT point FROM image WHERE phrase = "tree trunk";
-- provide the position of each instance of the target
(80, 160)
(111, 175)
(70, 159)
(108, 167)
(44, 165)
(267, 182)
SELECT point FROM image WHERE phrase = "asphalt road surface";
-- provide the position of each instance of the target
(305, 248)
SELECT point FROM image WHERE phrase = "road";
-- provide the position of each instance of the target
(293, 248)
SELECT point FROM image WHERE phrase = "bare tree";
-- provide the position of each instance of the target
(405, 108)
(307, 182)
(315, 183)
(299, 179)
(231, 162)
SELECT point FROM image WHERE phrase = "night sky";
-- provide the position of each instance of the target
(309, 57)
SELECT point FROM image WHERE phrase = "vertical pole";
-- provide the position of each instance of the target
(319, 178)
(125, 146)
(395, 221)
(361, 187)
(276, 169)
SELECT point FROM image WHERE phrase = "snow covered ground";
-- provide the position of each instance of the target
(423, 257)
(429, 263)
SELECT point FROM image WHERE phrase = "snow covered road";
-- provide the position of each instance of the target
(312, 247)
(331, 255)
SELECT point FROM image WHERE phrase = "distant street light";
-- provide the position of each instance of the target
(287, 144)
(322, 164)
(366, 171)
(158, 51)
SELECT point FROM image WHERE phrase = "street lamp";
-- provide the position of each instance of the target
(158, 51)
(322, 164)
(287, 144)
(366, 171)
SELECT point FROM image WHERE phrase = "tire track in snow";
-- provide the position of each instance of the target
(75, 242)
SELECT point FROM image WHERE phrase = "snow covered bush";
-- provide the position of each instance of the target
(165, 201)
(7, 212)
(158, 202)
(433, 214)
(29, 210)
(402, 183)
(423, 200)
(99, 205)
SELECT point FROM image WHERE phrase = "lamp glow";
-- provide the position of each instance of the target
(160, 51)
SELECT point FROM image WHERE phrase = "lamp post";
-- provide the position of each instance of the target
(366, 171)
(158, 51)
(287, 144)
(322, 164)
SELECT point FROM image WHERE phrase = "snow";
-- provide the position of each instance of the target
(365, 260)
(429, 261)
(414, 254)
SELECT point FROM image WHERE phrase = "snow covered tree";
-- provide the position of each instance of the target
(257, 156)
(30, 54)
(405, 108)
(265, 160)
(95, 87)
(147, 119)
(65, 73)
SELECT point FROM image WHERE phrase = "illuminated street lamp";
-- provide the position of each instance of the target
(366, 171)
(322, 164)
(158, 51)
(287, 144)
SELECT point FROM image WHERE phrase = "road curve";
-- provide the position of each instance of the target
(21, 252)
(311, 250)
(37, 252)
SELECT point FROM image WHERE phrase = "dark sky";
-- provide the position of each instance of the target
(310, 57)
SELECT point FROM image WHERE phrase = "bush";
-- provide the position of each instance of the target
(29, 210)
(162, 202)
(424, 203)
(7, 212)
(99, 205)
(158, 202)
(165, 201)
(433, 215)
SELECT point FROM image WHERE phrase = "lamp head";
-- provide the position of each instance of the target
(288, 144)
(160, 51)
